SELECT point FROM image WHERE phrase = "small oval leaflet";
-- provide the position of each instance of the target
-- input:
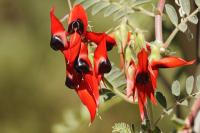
(176, 88)
(161, 99)
(189, 84)
(171, 12)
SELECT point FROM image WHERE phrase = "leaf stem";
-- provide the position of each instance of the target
(118, 93)
(175, 31)
(144, 11)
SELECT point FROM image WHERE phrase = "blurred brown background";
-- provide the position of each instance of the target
(33, 97)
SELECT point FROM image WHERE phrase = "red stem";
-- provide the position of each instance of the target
(158, 21)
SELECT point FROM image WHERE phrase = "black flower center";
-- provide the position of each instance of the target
(69, 83)
(142, 78)
(105, 67)
(56, 43)
(76, 26)
(81, 66)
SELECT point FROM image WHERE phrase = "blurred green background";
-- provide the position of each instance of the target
(33, 97)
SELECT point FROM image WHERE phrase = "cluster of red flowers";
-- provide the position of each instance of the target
(85, 78)
(81, 75)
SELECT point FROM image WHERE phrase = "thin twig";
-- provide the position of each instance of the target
(144, 11)
(158, 21)
(175, 31)
(69, 4)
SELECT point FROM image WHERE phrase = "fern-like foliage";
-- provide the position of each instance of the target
(117, 8)
(121, 128)
(115, 79)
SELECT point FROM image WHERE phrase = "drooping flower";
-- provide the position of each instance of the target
(142, 77)
(73, 43)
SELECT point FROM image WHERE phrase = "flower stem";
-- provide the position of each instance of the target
(175, 31)
(158, 21)
(69, 4)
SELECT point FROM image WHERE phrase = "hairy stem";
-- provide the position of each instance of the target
(158, 21)
(175, 31)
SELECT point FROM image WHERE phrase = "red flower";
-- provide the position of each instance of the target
(73, 44)
(142, 77)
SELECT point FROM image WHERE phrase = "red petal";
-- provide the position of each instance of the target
(100, 55)
(97, 37)
(143, 60)
(93, 86)
(153, 76)
(87, 99)
(78, 12)
(74, 48)
(169, 62)
(56, 25)
(150, 92)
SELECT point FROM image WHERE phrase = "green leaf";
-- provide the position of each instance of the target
(119, 14)
(89, 3)
(189, 84)
(99, 6)
(133, 127)
(115, 78)
(139, 2)
(111, 9)
(121, 128)
(157, 130)
(161, 99)
(176, 88)
(183, 27)
(198, 82)
(184, 103)
(105, 95)
(171, 12)
(193, 19)
(197, 2)
(78, 1)
(185, 5)
(178, 122)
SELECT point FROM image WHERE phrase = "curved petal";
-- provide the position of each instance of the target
(170, 62)
(87, 99)
(101, 63)
(93, 86)
(97, 38)
(78, 13)
(143, 60)
(74, 48)
(56, 25)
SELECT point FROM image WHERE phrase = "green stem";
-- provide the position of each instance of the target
(150, 114)
(117, 92)
(144, 11)
(175, 31)
(70, 4)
